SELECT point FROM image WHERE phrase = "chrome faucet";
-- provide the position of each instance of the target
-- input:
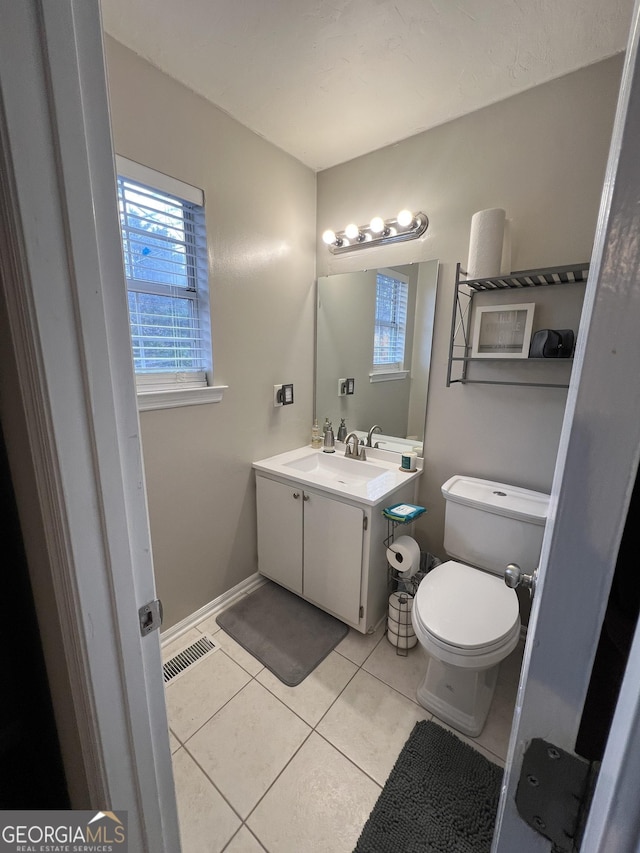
(353, 449)
(373, 429)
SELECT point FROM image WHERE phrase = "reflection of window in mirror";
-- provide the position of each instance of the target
(392, 290)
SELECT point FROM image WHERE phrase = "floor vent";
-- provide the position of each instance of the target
(193, 653)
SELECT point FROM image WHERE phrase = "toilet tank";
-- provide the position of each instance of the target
(490, 525)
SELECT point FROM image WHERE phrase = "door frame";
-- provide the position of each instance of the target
(69, 414)
(595, 473)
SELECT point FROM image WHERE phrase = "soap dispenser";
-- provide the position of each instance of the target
(316, 435)
(326, 425)
(329, 441)
(342, 430)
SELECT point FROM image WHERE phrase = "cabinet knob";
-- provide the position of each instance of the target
(296, 495)
(305, 497)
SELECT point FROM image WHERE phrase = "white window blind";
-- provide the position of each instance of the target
(392, 290)
(165, 261)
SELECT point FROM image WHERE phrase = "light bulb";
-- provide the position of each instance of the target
(352, 231)
(329, 237)
(405, 218)
(377, 225)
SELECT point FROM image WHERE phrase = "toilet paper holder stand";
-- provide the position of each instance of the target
(399, 624)
(394, 578)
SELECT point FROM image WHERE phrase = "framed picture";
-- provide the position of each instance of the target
(502, 331)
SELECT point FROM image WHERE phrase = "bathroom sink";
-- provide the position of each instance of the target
(367, 482)
(336, 467)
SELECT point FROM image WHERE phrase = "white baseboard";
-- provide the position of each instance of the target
(220, 603)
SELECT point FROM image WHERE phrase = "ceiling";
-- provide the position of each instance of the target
(329, 80)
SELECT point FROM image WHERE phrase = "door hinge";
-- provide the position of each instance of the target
(554, 793)
(150, 616)
(365, 522)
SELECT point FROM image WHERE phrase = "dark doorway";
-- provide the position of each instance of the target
(31, 773)
(616, 636)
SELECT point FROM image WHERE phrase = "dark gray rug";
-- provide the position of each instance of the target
(286, 633)
(440, 797)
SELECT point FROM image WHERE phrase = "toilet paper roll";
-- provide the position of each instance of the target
(400, 604)
(485, 243)
(401, 640)
(404, 556)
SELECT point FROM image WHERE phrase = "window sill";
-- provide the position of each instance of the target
(149, 400)
(388, 375)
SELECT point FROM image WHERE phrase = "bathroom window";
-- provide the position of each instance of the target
(165, 261)
(392, 289)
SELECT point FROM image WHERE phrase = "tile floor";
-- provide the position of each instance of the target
(261, 766)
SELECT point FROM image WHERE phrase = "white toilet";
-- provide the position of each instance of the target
(463, 614)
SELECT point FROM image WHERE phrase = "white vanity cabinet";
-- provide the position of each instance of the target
(311, 544)
(328, 550)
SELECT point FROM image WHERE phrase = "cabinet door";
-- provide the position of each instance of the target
(333, 534)
(280, 533)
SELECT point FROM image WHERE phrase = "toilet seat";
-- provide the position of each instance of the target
(466, 608)
(466, 617)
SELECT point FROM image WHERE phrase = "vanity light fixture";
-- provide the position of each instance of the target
(406, 226)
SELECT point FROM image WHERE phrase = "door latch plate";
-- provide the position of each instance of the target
(150, 616)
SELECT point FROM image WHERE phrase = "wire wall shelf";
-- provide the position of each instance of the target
(460, 357)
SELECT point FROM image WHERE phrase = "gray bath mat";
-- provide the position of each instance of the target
(440, 797)
(284, 632)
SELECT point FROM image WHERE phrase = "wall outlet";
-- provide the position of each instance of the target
(346, 387)
(282, 395)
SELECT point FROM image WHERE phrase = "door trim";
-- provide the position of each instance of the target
(595, 473)
(68, 408)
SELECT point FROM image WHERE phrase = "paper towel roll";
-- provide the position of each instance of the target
(404, 556)
(485, 243)
(505, 263)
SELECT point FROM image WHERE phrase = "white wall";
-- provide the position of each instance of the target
(540, 155)
(261, 208)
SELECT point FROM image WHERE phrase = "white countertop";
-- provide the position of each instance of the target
(369, 482)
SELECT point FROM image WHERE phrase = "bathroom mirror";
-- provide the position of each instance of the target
(391, 393)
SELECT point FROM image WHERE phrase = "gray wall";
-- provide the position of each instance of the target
(261, 208)
(540, 155)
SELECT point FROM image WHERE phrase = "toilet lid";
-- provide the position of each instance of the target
(466, 607)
